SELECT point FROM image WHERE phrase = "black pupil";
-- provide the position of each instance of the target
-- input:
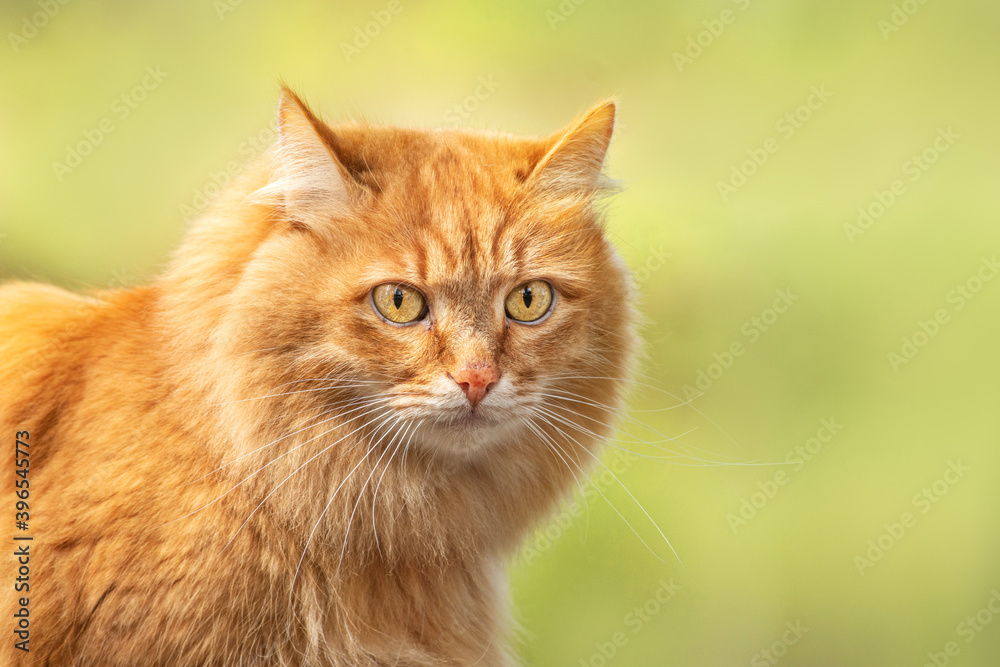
(397, 298)
(526, 295)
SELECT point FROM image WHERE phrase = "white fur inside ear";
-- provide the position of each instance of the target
(576, 159)
(306, 177)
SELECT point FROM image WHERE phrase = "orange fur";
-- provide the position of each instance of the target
(243, 464)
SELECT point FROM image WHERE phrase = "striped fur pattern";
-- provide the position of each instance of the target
(241, 463)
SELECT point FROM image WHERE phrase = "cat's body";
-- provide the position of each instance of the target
(244, 464)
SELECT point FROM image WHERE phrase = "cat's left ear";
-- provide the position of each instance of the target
(576, 156)
(308, 179)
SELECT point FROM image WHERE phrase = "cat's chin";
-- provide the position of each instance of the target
(468, 434)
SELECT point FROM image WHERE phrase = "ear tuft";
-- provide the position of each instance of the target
(576, 156)
(307, 178)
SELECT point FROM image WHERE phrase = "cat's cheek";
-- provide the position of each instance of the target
(560, 335)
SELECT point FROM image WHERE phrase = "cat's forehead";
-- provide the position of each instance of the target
(443, 164)
(455, 248)
(483, 249)
(454, 190)
(453, 207)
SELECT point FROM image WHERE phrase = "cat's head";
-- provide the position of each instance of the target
(454, 286)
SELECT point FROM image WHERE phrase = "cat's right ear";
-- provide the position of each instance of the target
(307, 178)
(575, 158)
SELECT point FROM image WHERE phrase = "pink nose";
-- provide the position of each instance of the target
(476, 380)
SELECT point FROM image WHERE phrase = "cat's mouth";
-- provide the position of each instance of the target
(466, 431)
(472, 418)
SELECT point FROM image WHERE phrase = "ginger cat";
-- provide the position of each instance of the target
(371, 367)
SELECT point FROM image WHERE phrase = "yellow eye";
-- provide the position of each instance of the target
(399, 303)
(530, 301)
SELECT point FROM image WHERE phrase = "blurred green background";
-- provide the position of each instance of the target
(706, 91)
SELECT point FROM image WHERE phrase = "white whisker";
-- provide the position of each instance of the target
(273, 461)
(638, 504)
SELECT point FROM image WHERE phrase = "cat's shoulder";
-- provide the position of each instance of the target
(28, 306)
(37, 319)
